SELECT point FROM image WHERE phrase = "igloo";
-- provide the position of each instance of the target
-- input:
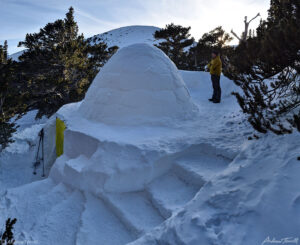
(139, 85)
(110, 139)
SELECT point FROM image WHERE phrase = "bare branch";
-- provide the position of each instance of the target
(245, 33)
(234, 34)
(254, 18)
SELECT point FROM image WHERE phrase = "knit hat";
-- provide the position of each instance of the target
(215, 52)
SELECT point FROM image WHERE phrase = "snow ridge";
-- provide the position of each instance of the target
(126, 36)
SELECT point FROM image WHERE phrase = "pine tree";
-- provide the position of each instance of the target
(59, 64)
(176, 40)
(5, 51)
(267, 67)
(12, 94)
(56, 68)
(71, 25)
(10, 97)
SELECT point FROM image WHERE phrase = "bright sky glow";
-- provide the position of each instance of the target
(18, 17)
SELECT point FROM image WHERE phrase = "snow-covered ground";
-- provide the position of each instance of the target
(193, 181)
(127, 35)
(20, 153)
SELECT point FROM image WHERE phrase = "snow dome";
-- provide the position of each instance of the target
(139, 85)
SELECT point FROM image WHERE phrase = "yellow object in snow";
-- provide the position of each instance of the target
(59, 139)
(215, 66)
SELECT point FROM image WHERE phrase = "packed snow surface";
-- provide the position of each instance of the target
(194, 182)
(138, 85)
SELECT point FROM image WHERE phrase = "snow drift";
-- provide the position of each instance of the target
(139, 85)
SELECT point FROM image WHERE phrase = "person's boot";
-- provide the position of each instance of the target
(216, 101)
(211, 99)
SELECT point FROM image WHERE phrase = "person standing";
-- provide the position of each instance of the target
(215, 69)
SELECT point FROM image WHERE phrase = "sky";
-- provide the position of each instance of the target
(18, 17)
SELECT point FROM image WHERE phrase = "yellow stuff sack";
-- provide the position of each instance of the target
(59, 139)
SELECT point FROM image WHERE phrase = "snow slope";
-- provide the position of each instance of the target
(120, 37)
(255, 200)
(198, 182)
(127, 35)
(15, 56)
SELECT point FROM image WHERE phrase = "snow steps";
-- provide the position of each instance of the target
(135, 210)
(197, 171)
(133, 214)
(119, 218)
(188, 174)
(168, 193)
(99, 225)
(110, 218)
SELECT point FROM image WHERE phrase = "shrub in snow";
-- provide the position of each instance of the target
(267, 68)
(7, 238)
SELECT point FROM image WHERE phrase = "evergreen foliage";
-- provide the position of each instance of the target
(3, 52)
(10, 96)
(176, 40)
(56, 68)
(59, 64)
(267, 67)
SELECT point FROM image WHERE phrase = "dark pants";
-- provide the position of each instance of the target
(217, 88)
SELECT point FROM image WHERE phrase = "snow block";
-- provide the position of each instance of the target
(96, 166)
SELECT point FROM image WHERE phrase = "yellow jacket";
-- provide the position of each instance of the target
(215, 66)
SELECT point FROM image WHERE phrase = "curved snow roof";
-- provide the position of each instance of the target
(139, 85)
